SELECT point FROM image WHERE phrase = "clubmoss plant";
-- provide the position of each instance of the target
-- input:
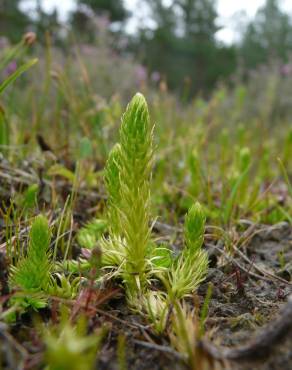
(32, 272)
(129, 248)
(89, 235)
(156, 306)
(190, 267)
(127, 177)
(136, 136)
(112, 181)
(70, 347)
(62, 286)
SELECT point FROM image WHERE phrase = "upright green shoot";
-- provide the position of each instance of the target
(112, 180)
(190, 267)
(135, 172)
(32, 272)
(127, 177)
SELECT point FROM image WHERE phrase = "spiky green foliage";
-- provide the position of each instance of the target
(157, 307)
(184, 333)
(32, 272)
(112, 180)
(129, 248)
(62, 286)
(127, 176)
(114, 252)
(190, 267)
(89, 235)
(135, 171)
(194, 228)
(70, 347)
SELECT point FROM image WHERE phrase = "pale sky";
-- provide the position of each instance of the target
(226, 9)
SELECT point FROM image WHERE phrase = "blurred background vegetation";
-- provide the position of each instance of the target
(222, 110)
(176, 44)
